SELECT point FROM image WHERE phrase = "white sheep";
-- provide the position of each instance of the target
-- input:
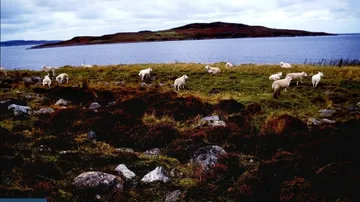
(281, 84)
(212, 70)
(315, 79)
(276, 76)
(60, 78)
(144, 73)
(229, 64)
(86, 65)
(46, 81)
(285, 65)
(3, 70)
(297, 76)
(180, 82)
(48, 69)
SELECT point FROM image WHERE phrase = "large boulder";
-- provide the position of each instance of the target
(96, 179)
(125, 172)
(158, 174)
(207, 156)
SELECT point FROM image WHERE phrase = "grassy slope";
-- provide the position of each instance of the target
(338, 89)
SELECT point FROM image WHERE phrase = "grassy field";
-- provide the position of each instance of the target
(272, 132)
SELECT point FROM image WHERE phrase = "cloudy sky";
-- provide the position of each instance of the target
(64, 19)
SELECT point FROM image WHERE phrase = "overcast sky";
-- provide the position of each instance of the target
(64, 19)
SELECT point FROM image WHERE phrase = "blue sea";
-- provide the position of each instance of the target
(238, 51)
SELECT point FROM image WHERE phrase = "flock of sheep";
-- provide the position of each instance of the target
(278, 84)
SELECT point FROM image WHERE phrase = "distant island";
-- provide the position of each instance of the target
(24, 42)
(195, 31)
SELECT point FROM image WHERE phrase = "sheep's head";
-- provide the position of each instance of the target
(281, 63)
(207, 67)
(288, 78)
(321, 74)
(185, 76)
(150, 69)
(304, 73)
(280, 73)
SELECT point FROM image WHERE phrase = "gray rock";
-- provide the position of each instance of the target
(18, 109)
(94, 106)
(173, 196)
(36, 79)
(4, 101)
(207, 156)
(153, 152)
(91, 135)
(158, 174)
(126, 150)
(161, 84)
(96, 179)
(62, 102)
(218, 123)
(353, 108)
(111, 104)
(316, 122)
(143, 85)
(125, 172)
(358, 104)
(27, 80)
(324, 120)
(211, 118)
(326, 112)
(45, 111)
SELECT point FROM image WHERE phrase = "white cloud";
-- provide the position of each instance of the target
(64, 19)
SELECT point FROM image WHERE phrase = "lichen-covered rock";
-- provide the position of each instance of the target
(125, 150)
(125, 172)
(18, 109)
(173, 196)
(158, 174)
(207, 156)
(62, 102)
(96, 179)
(27, 80)
(94, 106)
(153, 152)
(45, 111)
(211, 118)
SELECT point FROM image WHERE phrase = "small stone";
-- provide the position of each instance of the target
(94, 106)
(211, 118)
(62, 102)
(111, 104)
(153, 152)
(27, 80)
(173, 196)
(207, 156)
(126, 150)
(91, 135)
(218, 123)
(97, 196)
(45, 111)
(326, 112)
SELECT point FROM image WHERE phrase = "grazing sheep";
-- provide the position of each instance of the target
(315, 79)
(280, 84)
(48, 69)
(285, 65)
(144, 73)
(212, 70)
(229, 64)
(47, 81)
(3, 70)
(276, 76)
(60, 78)
(297, 76)
(180, 82)
(86, 65)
